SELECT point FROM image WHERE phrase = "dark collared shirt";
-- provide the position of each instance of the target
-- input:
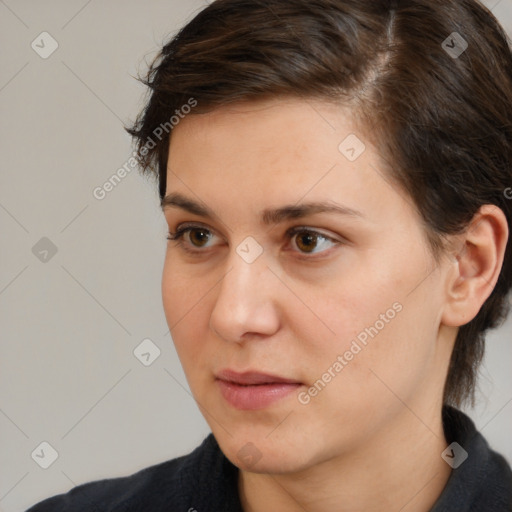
(205, 481)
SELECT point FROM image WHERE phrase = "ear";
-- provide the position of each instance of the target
(476, 266)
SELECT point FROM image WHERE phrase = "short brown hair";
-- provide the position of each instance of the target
(442, 122)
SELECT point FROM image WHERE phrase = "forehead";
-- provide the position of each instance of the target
(275, 152)
(287, 136)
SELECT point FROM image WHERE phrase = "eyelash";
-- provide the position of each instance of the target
(180, 232)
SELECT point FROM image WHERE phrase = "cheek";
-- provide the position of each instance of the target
(349, 308)
(383, 352)
(173, 288)
(184, 301)
(370, 319)
(183, 288)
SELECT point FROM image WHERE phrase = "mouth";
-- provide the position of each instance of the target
(254, 390)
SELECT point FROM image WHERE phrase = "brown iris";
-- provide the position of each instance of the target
(199, 237)
(307, 242)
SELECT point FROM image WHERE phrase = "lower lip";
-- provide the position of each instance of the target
(255, 397)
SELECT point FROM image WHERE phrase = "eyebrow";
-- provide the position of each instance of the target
(269, 216)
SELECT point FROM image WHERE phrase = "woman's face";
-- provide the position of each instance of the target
(303, 300)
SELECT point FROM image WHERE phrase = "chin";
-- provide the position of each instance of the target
(261, 454)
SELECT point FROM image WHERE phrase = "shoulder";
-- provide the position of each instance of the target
(481, 479)
(493, 484)
(172, 485)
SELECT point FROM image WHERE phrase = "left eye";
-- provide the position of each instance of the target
(308, 241)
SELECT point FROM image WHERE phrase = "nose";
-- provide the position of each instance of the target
(247, 302)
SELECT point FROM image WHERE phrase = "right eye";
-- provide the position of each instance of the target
(193, 238)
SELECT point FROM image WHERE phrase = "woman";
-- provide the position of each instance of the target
(336, 179)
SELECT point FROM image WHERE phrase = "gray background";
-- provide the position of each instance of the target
(71, 321)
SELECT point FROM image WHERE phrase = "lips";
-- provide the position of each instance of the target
(254, 390)
(252, 378)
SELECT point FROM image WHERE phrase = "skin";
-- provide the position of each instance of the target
(372, 439)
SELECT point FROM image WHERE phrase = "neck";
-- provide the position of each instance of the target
(399, 469)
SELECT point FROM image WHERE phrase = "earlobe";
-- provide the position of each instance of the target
(476, 266)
